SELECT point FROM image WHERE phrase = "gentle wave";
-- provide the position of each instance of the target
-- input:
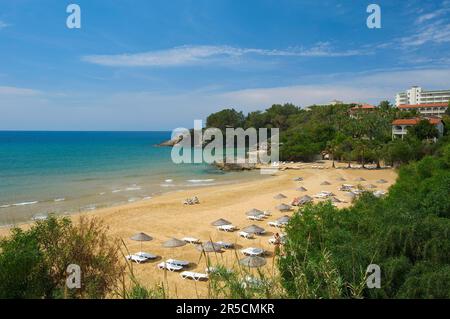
(137, 188)
(62, 199)
(168, 180)
(5, 206)
(201, 180)
(26, 203)
(202, 184)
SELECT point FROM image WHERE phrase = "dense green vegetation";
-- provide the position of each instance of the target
(336, 130)
(34, 262)
(407, 234)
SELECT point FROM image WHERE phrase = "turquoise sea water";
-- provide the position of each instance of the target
(66, 172)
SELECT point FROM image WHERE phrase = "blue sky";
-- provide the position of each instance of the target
(157, 65)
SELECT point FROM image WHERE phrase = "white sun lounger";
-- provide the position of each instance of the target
(176, 262)
(146, 255)
(276, 224)
(169, 266)
(194, 275)
(251, 251)
(258, 218)
(227, 228)
(191, 240)
(136, 258)
(245, 235)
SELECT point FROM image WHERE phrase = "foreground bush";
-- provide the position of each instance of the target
(407, 234)
(34, 263)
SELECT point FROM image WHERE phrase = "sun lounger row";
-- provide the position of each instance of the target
(173, 265)
(141, 257)
(227, 228)
(277, 224)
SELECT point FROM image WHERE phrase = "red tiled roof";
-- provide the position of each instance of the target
(364, 107)
(414, 106)
(415, 121)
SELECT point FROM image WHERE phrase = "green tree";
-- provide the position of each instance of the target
(424, 130)
(226, 118)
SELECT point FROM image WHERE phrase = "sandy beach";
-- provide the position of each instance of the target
(165, 216)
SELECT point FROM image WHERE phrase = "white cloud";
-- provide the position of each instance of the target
(432, 15)
(16, 91)
(370, 88)
(166, 110)
(432, 27)
(193, 55)
(3, 24)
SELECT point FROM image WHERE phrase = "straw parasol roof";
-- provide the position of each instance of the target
(301, 189)
(335, 200)
(305, 199)
(141, 237)
(298, 179)
(284, 207)
(325, 183)
(253, 261)
(221, 222)
(360, 179)
(254, 212)
(381, 181)
(173, 243)
(209, 247)
(280, 196)
(253, 229)
(284, 219)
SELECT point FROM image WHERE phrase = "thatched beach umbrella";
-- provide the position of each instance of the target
(141, 237)
(335, 200)
(284, 208)
(284, 219)
(301, 189)
(209, 247)
(360, 179)
(381, 181)
(341, 179)
(174, 243)
(254, 212)
(280, 196)
(325, 183)
(253, 261)
(305, 200)
(298, 179)
(221, 222)
(253, 229)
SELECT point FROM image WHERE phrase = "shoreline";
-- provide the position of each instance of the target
(165, 216)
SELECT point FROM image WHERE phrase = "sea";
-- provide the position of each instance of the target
(44, 173)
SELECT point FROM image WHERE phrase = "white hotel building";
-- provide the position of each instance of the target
(427, 103)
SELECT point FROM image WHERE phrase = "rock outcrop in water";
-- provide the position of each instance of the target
(235, 166)
(173, 141)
